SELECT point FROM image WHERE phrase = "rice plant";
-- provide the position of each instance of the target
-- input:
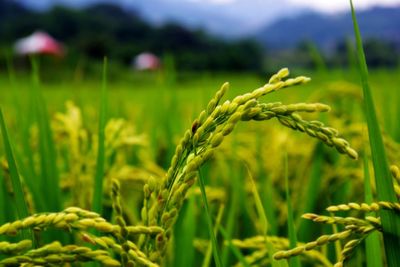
(113, 241)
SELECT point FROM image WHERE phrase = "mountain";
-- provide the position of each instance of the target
(188, 14)
(228, 19)
(238, 19)
(327, 30)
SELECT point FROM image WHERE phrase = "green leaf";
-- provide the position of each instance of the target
(383, 179)
(21, 205)
(373, 243)
(3, 201)
(97, 203)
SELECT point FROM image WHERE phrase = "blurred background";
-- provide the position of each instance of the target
(194, 35)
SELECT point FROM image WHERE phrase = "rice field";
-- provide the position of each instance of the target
(184, 169)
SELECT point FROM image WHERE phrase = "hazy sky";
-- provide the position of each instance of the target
(322, 5)
(340, 5)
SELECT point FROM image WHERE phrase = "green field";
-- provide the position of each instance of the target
(53, 129)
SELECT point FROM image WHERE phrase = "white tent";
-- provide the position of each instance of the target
(38, 42)
(146, 61)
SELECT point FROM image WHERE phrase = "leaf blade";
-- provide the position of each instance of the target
(383, 180)
(21, 204)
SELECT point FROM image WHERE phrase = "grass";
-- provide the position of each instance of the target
(20, 202)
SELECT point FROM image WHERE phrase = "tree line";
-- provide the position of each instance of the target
(108, 30)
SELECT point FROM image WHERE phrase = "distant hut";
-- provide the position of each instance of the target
(146, 61)
(38, 42)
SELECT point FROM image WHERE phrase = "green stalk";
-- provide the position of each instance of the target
(238, 254)
(31, 180)
(383, 179)
(351, 58)
(207, 257)
(217, 258)
(21, 205)
(268, 191)
(49, 180)
(98, 179)
(316, 57)
(264, 224)
(294, 261)
(236, 191)
(187, 221)
(10, 69)
(3, 201)
(373, 244)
